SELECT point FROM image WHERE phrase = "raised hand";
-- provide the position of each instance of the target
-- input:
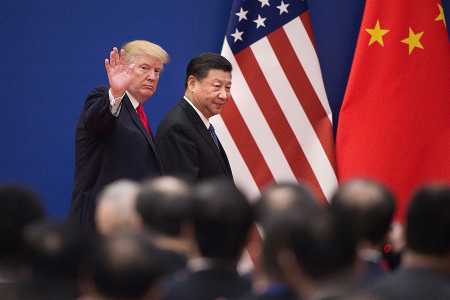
(119, 72)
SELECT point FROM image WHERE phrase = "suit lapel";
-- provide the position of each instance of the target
(132, 112)
(200, 126)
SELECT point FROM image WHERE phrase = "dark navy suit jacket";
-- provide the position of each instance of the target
(108, 148)
(187, 149)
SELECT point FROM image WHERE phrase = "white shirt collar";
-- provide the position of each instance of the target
(134, 102)
(204, 119)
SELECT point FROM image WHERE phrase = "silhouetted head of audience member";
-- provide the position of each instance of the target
(317, 253)
(57, 249)
(425, 271)
(57, 252)
(280, 197)
(277, 200)
(222, 220)
(19, 207)
(369, 206)
(126, 266)
(116, 207)
(164, 205)
(428, 222)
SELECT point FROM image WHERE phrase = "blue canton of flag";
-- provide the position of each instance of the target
(253, 19)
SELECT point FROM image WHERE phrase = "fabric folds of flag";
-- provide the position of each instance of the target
(394, 120)
(277, 126)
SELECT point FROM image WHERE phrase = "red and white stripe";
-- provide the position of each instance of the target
(278, 126)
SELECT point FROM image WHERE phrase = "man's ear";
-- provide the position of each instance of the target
(192, 83)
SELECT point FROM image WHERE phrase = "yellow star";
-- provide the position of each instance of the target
(413, 40)
(441, 17)
(376, 34)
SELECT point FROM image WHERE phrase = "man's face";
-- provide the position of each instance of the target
(146, 74)
(212, 92)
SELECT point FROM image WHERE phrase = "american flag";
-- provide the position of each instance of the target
(277, 126)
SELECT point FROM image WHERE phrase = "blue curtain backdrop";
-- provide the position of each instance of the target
(52, 54)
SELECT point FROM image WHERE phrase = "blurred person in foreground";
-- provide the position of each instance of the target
(19, 207)
(124, 266)
(164, 206)
(318, 253)
(370, 207)
(270, 283)
(425, 269)
(116, 208)
(222, 217)
(57, 255)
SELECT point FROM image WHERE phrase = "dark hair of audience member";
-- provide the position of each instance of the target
(19, 207)
(222, 219)
(321, 248)
(200, 65)
(57, 249)
(57, 252)
(369, 206)
(165, 205)
(428, 221)
(278, 199)
(125, 266)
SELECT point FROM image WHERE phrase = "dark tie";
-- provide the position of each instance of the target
(143, 117)
(213, 135)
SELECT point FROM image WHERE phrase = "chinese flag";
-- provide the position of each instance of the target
(394, 123)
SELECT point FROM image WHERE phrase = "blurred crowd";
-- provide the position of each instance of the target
(168, 239)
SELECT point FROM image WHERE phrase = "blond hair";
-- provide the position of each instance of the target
(139, 47)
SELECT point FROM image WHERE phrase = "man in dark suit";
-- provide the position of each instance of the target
(425, 268)
(316, 251)
(19, 208)
(164, 207)
(124, 266)
(275, 201)
(222, 217)
(57, 252)
(186, 141)
(113, 139)
(369, 207)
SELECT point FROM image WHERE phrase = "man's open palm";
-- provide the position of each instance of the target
(119, 72)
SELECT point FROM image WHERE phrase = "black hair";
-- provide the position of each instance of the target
(222, 219)
(126, 266)
(274, 201)
(320, 246)
(165, 209)
(200, 65)
(19, 207)
(428, 220)
(368, 206)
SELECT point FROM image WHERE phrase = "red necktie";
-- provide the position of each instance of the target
(143, 117)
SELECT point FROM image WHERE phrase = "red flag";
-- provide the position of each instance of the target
(394, 123)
